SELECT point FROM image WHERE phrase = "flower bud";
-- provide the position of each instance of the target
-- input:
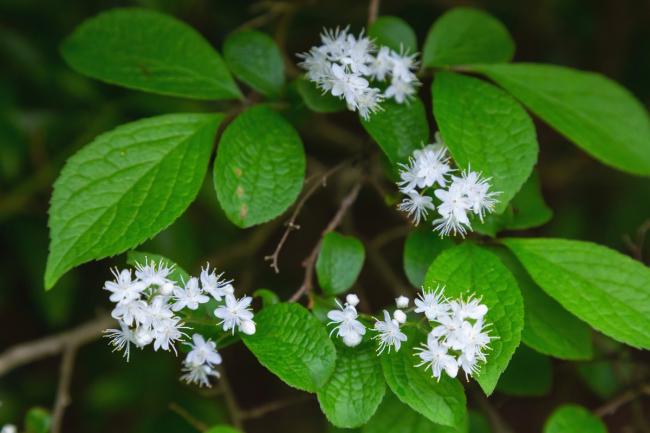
(352, 300)
(402, 302)
(167, 289)
(352, 339)
(248, 327)
(400, 316)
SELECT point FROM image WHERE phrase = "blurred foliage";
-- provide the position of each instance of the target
(47, 112)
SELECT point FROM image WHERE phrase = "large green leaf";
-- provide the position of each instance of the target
(572, 418)
(146, 50)
(126, 186)
(609, 291)
(399, 129)
(222, 429)
(442, 402)
(465, 35)
(518, 381)
(394, 33)
(597, 114)
(339, 262)
(256, 60)
(468, 269)
(38, 420)
(293, 345)
(260, 167)
(356, 387)
(420, 249)
(487, 130)
(393, 416)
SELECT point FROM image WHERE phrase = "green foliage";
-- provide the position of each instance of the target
(221, 429)
(604, 288)
(548, 327)
(442, 402)
(149, 51)
(178, 275)
(572, 418)
(399, 129)
(601, 377)
(126, 186)
(260, 167)
(339, 262)
(37, 420)
(315, 99)
(393, 416)
(595, 113)
(394, 33)
(268, 297)
(529, 374)
(464, 35)
(356, 386)
(420, 249)
(256, 60)
(293, 345)
(487, 130)
(468, 269)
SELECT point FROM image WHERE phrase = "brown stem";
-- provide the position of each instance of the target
(231, 401)
(62, 399)
(191, 420)
(260, 411)
(497, 423)
(291, 223)
(25, 353)
(622, 399)
(373, 11)
(310, 261)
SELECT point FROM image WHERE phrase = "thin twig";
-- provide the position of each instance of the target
(636, 246)
(231, 401)
(310, 261)
(497, 423)
(188, 417)
(25, 353)
(622, 399)
(62, 399)
(261, 410)
(291, 223)
(373, 11)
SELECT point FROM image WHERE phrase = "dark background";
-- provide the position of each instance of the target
(47, 112)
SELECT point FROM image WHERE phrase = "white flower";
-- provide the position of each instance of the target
(416, 205)
(198, 374)
(131, 312)
(157, 311)
(347, 326)
(368, 102)
(402, 302)
(449, 323)
(120, 339)
(471, 340)
(435, 356)
(477, 191)
(191, 296)
(432, 304)
(403, 66)
(203, 352)
(123, 290)
(152, 273)
(234, 313)
(431, 166)
(142, 336)
(8, 428)
(408, 176)
(166, 332)
(214, 284)
(388, 333)
(453, 211)
(382, 64)
(471, 308)
(400, 90)
(352, 299)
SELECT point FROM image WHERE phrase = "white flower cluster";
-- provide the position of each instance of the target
(428, 171)
(459, 338)
(146, 309)
(351, 330)
(8, 428)
(344, 65)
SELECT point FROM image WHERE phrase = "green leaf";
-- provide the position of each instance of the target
(487, 130)
(572, 418)
(222, 429)
(37, 420)
(268, 297)
(548, 328)
(442, 402)
(126, 186)
(601, 377)
(517, 380)
(527, 209)
(478, 423)
(399, 129)
(465, 35)
(146, 50)
(315, 99)
(339, 262)
(256, 60)
(356, 387)
(260, 167)
(597, 114)
(293, 345)
(178, 275)
(394, 33)
(393, 416)
(604, 288)
(468, 269)
(420, 249)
